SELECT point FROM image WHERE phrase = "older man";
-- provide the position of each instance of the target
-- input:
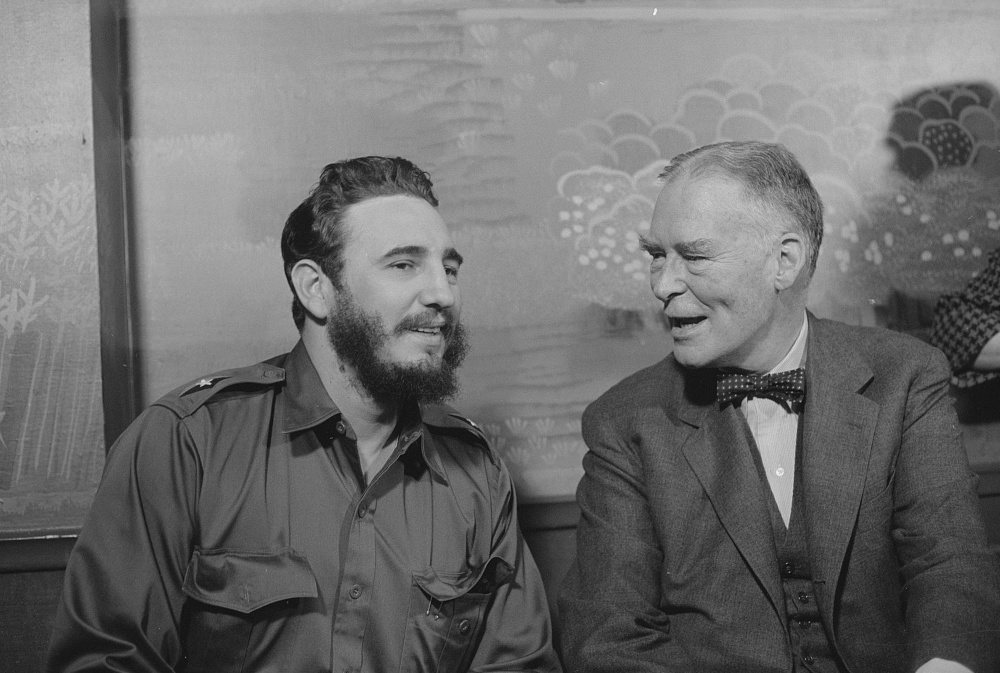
(781, 493)
(319, 511)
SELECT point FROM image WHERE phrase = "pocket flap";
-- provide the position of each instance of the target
(245, 581)
(448, 586)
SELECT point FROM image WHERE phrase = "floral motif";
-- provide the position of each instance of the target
(602, 212)
(952, 126)
(892, 198)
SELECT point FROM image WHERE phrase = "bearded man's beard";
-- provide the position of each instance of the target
(357, 338)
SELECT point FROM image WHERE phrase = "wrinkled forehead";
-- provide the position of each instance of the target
(698, 201)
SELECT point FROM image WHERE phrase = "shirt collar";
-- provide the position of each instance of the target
(307, 405)
(412, 429)
(796, 355)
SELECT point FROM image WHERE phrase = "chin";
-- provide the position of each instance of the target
(692, 360)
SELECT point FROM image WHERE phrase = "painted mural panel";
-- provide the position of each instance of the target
(544, 126)
(51, 418)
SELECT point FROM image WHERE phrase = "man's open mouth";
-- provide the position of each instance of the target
(680, 323)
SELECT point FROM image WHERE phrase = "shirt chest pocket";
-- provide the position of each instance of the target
(446, 615)
(242, 604)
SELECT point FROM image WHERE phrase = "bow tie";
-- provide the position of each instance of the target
(788, 386)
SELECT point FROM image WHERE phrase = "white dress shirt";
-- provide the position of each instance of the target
(775, 430)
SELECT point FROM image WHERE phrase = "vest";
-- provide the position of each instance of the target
(809, 643)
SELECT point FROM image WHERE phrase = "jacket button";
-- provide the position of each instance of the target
(356, 592)
(808, 659)
(803, 597)
(362, 509)
(464, 627)
(787, 569)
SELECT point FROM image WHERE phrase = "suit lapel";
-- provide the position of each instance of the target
(719, 455)
(838, 430)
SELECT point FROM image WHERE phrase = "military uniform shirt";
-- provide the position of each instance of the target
(233, 531)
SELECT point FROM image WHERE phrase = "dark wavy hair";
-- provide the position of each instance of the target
(315, 230)
(773, 179)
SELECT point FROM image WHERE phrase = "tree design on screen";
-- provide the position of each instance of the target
(50, 384)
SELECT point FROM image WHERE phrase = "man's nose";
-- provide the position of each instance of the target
(439, 290)
(667, 281)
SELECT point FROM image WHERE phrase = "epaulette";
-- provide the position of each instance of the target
(186, 399)
(444, 416)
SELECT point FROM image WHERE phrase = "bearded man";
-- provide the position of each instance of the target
(322, 510)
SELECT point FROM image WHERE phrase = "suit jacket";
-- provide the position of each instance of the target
(677, 569)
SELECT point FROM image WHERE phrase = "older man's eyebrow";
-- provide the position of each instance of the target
(700, 247)
(650, 246)
(452, 255)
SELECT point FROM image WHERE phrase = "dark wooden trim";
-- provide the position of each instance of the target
(36, 554)
(555, 514)
(119, 327)
(989, 479)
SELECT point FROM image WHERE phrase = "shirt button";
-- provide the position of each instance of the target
(356, 592)
(464, 626)
(787, 569)
(341, 428)
(804, 597)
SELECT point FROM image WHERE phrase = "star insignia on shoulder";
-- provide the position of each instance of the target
(203, 384)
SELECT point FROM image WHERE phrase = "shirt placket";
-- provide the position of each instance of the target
(356, 588)
(358, 579)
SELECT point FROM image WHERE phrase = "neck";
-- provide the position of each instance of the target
(371, 419)
(779, 337)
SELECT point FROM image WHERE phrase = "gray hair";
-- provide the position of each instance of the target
(774, 180)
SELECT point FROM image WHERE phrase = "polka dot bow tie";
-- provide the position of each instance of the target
(788, 386)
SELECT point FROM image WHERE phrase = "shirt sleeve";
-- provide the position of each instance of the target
(964, 321)
(518, 633)
(122, 599)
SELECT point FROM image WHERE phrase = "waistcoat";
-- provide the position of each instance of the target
(807, 638)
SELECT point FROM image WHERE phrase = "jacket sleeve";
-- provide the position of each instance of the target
(518, 633)
(610, 607)
(951, 578)
(122, 599)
